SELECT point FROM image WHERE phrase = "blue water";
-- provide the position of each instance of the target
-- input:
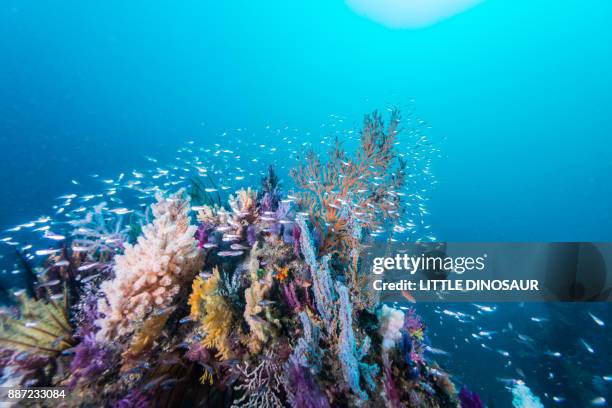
(520, 91)
(516, 94)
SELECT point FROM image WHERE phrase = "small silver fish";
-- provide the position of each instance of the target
(586, 346)
(89, 278)
(230, 253)
(45, 252)
(49, 283)
(597, 320)
(87, 267)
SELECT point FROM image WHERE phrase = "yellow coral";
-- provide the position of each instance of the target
(213, 313)
(207, 377)
(150, 330)
(418, 334)
(261, 329)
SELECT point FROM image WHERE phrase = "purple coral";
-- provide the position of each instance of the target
(295, 233)
(305, 391)
(90, 360)
(134, 399)
(87, 316)
(390, 388)
(198, 353)
(469, 399)
(412, 321)
(201, 235)
(251, 235)
(291, 296)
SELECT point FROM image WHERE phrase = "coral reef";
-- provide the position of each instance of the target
(262, 303)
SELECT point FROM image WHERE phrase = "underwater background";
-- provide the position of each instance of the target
(515, 97)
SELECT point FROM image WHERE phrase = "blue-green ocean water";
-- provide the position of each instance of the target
(516, 93)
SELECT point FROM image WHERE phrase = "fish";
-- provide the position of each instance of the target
(487, 309)
(186, 319)
(90, 278)
(597, 320)
(408, 296)
(55, 237)
(121, 211)
(45, 252)
(558, 399)
(230, 237)
(89, 266)
(230, 253)
(598, 402)
(437, 351)
(586, 346)
(503, 353)
(79, 248)
(49, 283)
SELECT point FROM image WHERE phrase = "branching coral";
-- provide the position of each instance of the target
(149, 275)
(260, 385)
(363, 186)
(212, 312)
(244, 206)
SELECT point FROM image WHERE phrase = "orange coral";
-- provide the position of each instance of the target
(345, 189)
(282, 273)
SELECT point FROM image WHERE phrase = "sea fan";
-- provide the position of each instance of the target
(361, 187)
(41, 327)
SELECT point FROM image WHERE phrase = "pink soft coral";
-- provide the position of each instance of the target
(149, 274)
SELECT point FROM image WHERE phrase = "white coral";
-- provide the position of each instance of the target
(150, 273)
(391, 322)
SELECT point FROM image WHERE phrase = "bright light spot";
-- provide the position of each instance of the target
(410, 13)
